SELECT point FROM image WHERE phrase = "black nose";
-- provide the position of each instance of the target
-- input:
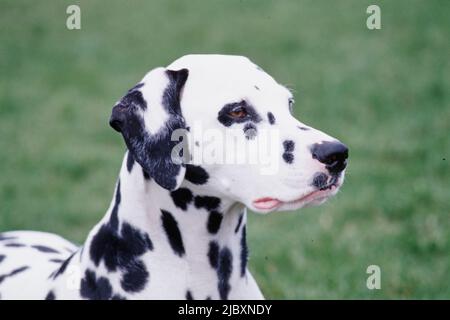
(333, 154)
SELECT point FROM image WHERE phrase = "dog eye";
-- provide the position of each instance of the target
(238, 113)
(291, 104)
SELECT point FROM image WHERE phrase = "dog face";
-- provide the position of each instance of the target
(240, 139)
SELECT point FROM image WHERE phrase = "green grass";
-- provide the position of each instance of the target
(385, 93)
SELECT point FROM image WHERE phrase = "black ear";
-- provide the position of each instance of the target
(158, 96)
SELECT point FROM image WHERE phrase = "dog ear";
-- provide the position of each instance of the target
(147, 116)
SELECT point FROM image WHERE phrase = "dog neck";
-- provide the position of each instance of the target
(184, 243)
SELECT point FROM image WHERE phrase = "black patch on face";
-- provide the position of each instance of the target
(289, 147)
(244, 251)
(13, 273)
(173, 233)
(207, 202)
(224, 270)
(189, 295)
(288, 157)
(271, 117)
(182, 197)
(50, 296)
(214, 222)
(239, 223)
(130, 162)
(14, 245)
(118, 297)
(320, 180)
(114, 220)
(95, 289)
(2, 257)
(4, 237)
(213, 254)
(250, 131)
(196, 174)
(62, 268)
(303, 128)
(135, 277)
(227, 120)
(152, 151)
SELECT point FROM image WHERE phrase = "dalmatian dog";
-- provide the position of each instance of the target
(176, 227)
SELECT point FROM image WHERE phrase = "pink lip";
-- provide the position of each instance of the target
(268, 203)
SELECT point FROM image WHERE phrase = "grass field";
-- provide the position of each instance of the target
(385, 93)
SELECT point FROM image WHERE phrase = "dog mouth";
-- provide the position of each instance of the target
(325, 191)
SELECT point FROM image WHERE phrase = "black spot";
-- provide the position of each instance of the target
(146, 175)
(130, 162)
(13, 273)
(288, 145)
(271, 117)
(62, 268)
(256, 87)
(227, 120)
(288, 157)
(45, 249)
(118, 250)
(224, 270)
(56, 260)
(196, 174)
(182, 197)
(214, 222)
(303, 128)
(213, 254)
(118, 297)
(239, 223)
(138, 242)
(14, 245)
(170, 226)
(2, 257)
(250, 131)
(189, 295)
(95, 289)
(135, 277)
(4, 237)
(244, 251)
(320, 180)
(114, 219)
(122, 251)
(50, 296)
(207, 202)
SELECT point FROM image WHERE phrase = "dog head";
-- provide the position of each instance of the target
(223, 124)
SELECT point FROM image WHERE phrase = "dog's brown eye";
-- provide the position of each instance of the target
(238, 113)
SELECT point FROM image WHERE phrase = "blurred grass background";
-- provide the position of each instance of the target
(385, 93)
